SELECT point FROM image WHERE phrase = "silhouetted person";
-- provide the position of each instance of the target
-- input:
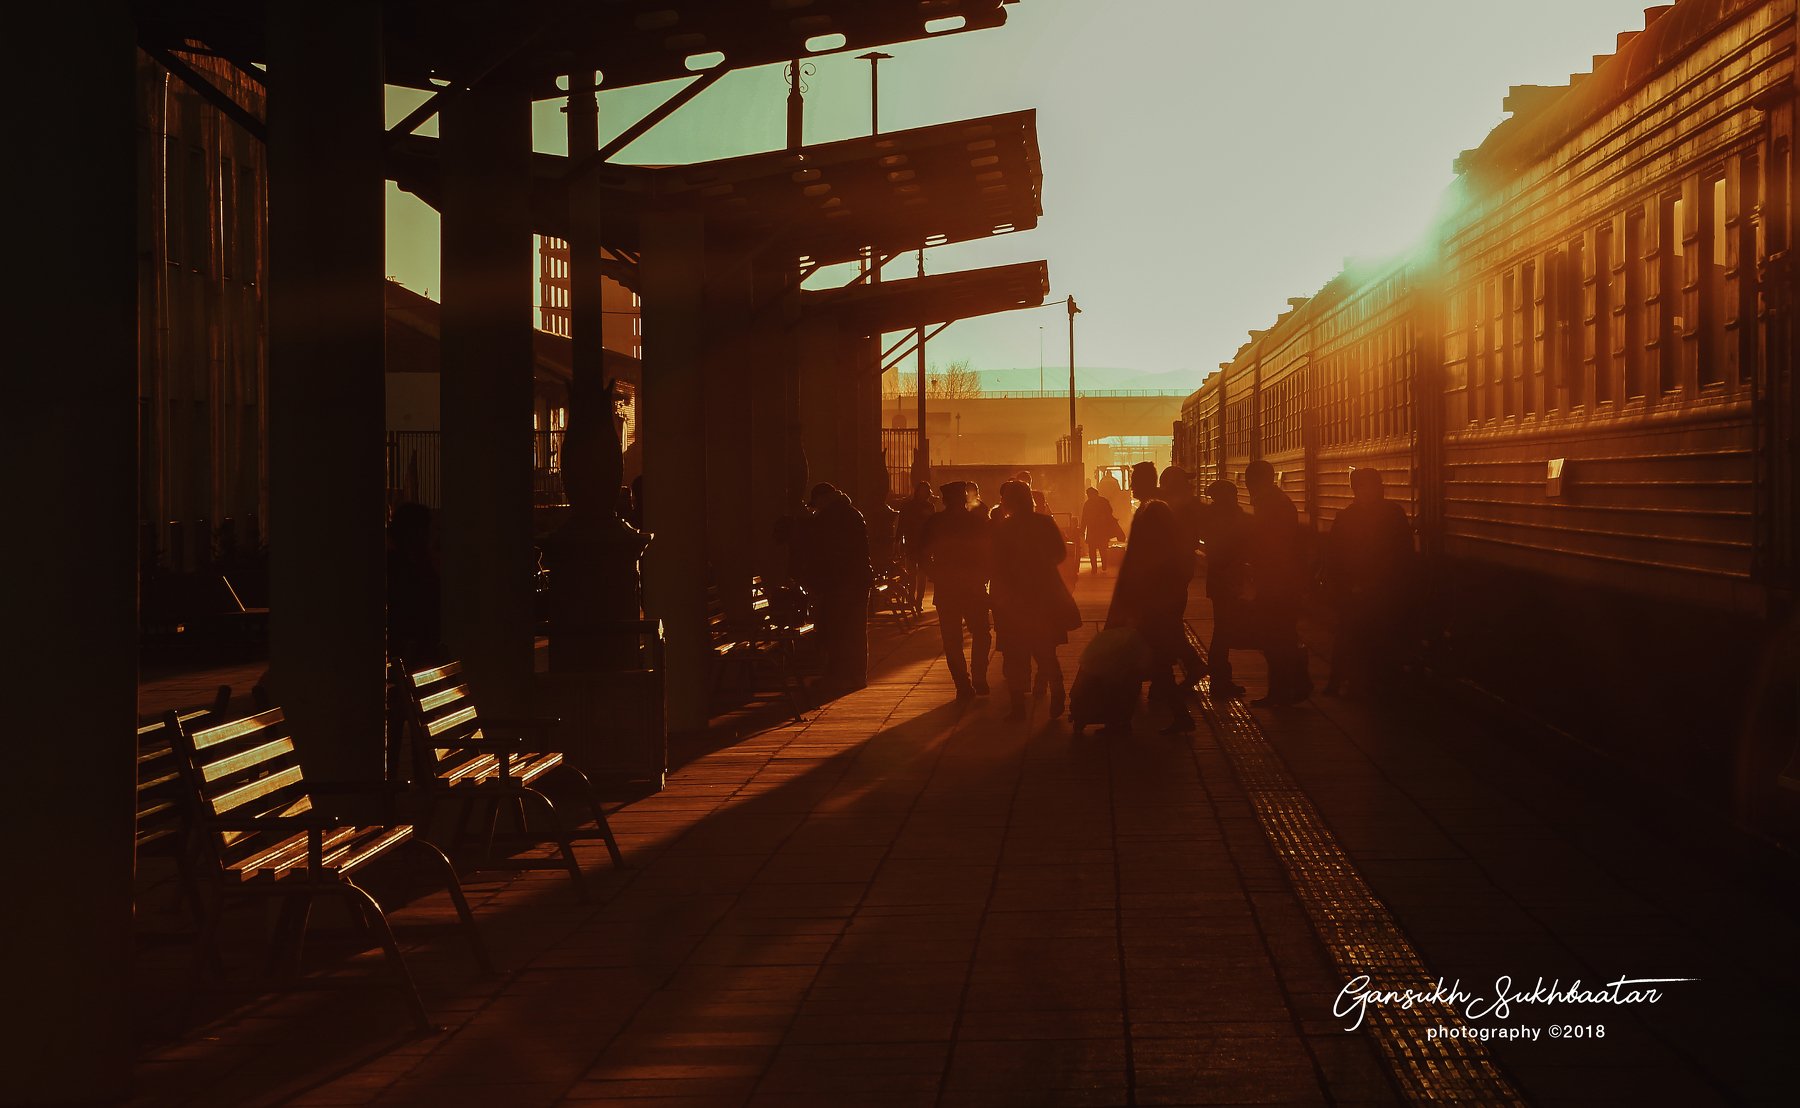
(884, 535)
(1033, 611)
(637, 502)
(1226, 531)
(1368, 567)
(415, 620)
(1099, 527)
(1151, 597)
(958, 554)
(837, 558)
(914, 511)
(1143, 482)
(1278, 572)
(1114, 493)
(1177, 491)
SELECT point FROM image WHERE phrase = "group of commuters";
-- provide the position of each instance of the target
(999, 562)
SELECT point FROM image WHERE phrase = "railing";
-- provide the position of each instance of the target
(1063, 394)
(898, 446)
(415, 470)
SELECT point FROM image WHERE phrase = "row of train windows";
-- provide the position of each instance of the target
(1655, 300)
(1365, 392)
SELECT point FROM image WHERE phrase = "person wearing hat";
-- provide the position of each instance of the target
(1226, 529)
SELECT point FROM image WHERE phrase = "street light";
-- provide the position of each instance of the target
(1074, 442)
(874, 58)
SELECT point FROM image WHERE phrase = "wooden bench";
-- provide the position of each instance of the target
(891, 594)
(265, 838)
(165, 817)
(459, 755)
(761, 644)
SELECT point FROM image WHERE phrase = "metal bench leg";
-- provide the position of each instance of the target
(454, 885)
(288, 943)
(560, 834)
(366, 906)
(595, 806)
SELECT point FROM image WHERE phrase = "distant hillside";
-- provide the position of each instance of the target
(1056, 379)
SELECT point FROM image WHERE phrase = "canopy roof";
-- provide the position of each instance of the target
(940, 298)
(630, 42)
(897, 191)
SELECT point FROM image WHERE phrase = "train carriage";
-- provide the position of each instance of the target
(1581, 389)
(1603, 335)
(1199, 434)
(1368, 344)
(1283, 368)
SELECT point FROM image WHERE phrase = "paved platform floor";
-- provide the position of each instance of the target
(905, 900)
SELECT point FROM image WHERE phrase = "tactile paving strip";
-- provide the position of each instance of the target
(1356, 927)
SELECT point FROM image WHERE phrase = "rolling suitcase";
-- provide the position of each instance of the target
(1109, 679)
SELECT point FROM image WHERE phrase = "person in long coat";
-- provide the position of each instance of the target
(835, 567)
(1150, 598)
(1368, 572)
(1033, 611)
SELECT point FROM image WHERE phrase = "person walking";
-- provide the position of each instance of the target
(1033, 611)
(1368, 564)
(1099, 527)
(1278, 574)
(958, 552)
(1226, 531)
(1151, 597)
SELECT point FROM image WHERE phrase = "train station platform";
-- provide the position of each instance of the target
(907, 900)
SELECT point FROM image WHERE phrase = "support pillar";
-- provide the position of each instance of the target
(327, 501)
(731, 400)
(71, 572)
(862, 395)
(486, 392)
(674, 437)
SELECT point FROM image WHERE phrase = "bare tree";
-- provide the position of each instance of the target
(956, 381)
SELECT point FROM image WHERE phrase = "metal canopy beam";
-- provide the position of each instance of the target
(633, 42)
(943, 297)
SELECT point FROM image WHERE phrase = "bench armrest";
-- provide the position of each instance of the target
(530, 725)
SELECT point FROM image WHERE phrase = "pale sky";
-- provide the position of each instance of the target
(1203, 160)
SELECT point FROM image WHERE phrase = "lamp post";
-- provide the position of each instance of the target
(1074, 442)
(874, 58)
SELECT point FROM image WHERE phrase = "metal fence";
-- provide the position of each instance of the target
(1063, 394)
(898, 445)
(415, 469)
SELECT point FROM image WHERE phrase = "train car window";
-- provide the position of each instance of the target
(1776, 200)
(1508, 361)
(1635, 265)
(1603, 316)
(1529, 339)
(1714, 235)
(1574, 325)
(1668, 295)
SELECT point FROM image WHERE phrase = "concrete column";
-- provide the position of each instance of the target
(821, 383)
(675, 454)
(327, 503)
(732, 378)
(69, 430)
(862, 395)
(486, 391)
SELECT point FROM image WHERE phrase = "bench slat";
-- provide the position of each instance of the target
(208, 737)
(246, 760)
(233, 799)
